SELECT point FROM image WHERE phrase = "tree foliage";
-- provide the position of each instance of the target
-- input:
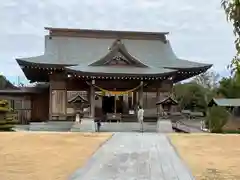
(196, 94)
(208, 80)
(216, 118)
(5, 84)
(229, 87)
(232, 10)
(191, 96)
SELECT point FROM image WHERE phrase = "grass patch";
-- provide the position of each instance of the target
(231, 131)
(210, 156)
(48, 156)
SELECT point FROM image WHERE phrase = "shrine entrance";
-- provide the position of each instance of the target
(108, 104)
(112, 104)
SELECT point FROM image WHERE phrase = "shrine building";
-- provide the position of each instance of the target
(113, 70)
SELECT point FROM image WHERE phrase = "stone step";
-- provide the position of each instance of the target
(46, 126)
(113, 127)
(164, 126)
(87, 125)
(127, 127)
(21, 127)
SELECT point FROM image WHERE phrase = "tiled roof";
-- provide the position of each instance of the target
(231, 102)
(84, 51)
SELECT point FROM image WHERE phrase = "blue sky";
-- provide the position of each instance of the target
(198, 29)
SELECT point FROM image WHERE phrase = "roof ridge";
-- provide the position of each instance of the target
(105, 30)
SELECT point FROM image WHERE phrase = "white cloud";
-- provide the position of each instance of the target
(198, 28)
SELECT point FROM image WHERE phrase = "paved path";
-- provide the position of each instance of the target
(135, 156)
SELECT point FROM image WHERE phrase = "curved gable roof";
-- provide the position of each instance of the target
(159, 54)
(118, 47)
(85, 51)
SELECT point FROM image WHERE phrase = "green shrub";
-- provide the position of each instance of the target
(216, 118)
(7, 120)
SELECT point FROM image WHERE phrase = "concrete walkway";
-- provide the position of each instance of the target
(135, 156)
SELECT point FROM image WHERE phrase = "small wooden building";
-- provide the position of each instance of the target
(233, 106)
(168, 104)
(117, 70)
(29, 102)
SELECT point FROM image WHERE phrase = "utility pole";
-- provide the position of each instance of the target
(18, 81)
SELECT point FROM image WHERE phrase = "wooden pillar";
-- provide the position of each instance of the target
(158, 99)
(50, 102)
(126, 104)
(89, 100)
(92, 100)
(141, 94)
(132, 96)
(115, 104)
(135, 101)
